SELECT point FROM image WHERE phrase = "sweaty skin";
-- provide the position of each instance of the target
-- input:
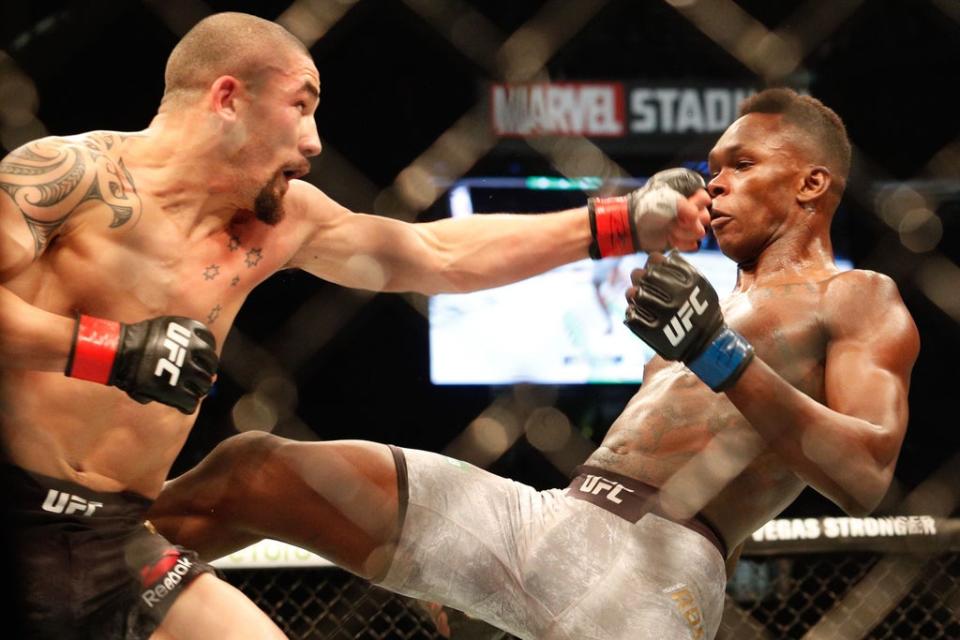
(184, 218)
(119, 255)
(129, 226)
(667, 429)
(824, 403)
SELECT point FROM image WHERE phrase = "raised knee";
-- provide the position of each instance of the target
(247, 447)
(242, 457)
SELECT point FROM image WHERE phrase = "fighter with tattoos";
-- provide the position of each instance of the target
(799, 377)
(124, 259)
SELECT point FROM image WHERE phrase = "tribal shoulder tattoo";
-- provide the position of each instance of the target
(49, 179)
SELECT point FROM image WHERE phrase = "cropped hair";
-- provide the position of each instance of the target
(226, 43)
(812, 118)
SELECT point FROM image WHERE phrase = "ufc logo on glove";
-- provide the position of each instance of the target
(675, 310)
(680, 324)
(178, 338)
(134, 357)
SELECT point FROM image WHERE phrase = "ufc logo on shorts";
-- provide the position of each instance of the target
(679, 324)
(175, 343)
(60, 502)
(596, 484)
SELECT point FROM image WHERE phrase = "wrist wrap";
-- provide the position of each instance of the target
(612, 227)
(723, 361)
(94, 349)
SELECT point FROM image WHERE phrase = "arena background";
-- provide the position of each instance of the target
(405, 94)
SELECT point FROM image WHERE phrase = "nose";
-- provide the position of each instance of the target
(716, 187)
(309, 138)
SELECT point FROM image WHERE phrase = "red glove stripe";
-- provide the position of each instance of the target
(613, 226)
(94, 349)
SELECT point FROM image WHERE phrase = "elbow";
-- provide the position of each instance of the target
(865, 485)
(860, 504)
(855, 509)
(867, 496)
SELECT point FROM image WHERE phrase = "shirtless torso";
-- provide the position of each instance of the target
(117, 254)
(184, 219)
(822, 404)
(674, 418)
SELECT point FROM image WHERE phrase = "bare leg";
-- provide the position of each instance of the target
(337, 499)
(211, 608)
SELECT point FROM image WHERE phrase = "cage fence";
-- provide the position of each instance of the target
(900, 583)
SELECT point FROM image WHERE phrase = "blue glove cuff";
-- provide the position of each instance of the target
(724, 359)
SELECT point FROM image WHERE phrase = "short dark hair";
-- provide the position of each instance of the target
(811, 117)
(226, 43)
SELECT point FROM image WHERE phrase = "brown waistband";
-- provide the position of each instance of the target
(631, 499)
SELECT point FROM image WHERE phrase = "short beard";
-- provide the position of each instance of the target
(268, 205)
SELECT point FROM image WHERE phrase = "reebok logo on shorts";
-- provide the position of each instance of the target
(163, 576)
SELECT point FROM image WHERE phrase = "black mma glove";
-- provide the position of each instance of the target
(640, 220)
(169, 359)
(676, 311)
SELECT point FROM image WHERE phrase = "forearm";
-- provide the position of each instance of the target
(31, 338)
(491, 250)
(829, 450)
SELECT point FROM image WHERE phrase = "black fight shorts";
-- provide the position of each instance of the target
(89, 565)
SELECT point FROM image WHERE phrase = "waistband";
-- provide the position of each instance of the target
(31, 492)
(631, 499)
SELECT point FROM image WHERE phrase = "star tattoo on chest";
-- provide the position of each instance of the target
(211, 272)
(254, 256)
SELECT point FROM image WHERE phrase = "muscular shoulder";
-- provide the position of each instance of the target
(309, 203)
(866, 304)
(36, 180)
(861, 281)
(43, 176)
(54, 151)
(49, 179)
(312, 210)
(309, 214)
(46, 167)
(861, 288)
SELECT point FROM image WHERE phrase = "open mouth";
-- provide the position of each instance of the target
(293, 172)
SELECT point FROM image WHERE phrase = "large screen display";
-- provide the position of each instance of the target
(562, 327)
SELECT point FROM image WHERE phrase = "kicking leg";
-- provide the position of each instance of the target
(337, 499)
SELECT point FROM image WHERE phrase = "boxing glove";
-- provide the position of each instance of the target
(640, 220)
(169, 359)
(675, 310)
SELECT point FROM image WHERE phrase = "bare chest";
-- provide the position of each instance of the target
(674, 413)
(785, 326)
(152, 268)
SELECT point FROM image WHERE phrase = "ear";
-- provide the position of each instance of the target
(816, 182)
(224, 94)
